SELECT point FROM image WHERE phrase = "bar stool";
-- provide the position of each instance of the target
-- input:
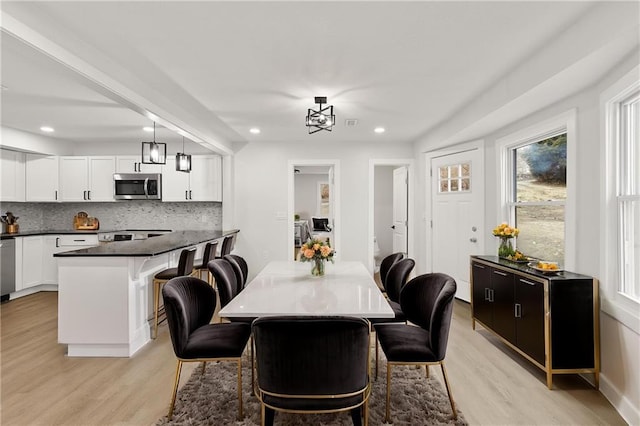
(227, 246)
(208, 255)
(185, 267)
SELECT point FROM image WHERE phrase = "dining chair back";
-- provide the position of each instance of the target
(427, 302)
(386, 264)
(397, 277)
(190, 304)
(240, 267)
(226, 281)
(227, 246)
(312, 365)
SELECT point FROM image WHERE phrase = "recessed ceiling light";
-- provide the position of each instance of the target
(46, 129)
(255, 130)
(379, 129)
(147, 129)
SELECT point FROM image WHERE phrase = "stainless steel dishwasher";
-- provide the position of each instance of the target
(7, 268)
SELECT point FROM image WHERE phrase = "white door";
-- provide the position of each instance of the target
(400, 209)
(457, 190)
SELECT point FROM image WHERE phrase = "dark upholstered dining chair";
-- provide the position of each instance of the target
(227, 246)
(185, 267)
(385, 265)
(312, 365)
(396, 279)
(190, 303)
(226, 281)
(240, 267)
(427, 302)
(208, 254)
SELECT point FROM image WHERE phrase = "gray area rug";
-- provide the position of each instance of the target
(210, 399)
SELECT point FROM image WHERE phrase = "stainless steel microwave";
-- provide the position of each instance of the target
(137, 186)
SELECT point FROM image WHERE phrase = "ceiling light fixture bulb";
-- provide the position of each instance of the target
(47, 129)
(254, 130)
(147, 129)
(379, 129)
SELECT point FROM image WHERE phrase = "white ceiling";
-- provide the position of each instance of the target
(216, 69)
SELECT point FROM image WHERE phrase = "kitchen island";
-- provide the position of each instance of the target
(105, 293)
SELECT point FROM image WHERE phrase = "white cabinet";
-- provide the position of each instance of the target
(41, 178)
(50, 246)
(203, 183)
(87, 178)
(31, 262)
(132, 164)
(11, 175)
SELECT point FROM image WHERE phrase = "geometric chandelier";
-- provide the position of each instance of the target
(322, 118)
(154, 152)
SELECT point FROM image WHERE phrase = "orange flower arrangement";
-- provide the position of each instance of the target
(316, 250)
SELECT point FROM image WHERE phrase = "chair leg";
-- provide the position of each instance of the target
(356, 416)
(175, 389)
(387, 417)
(204, 365)
(253, 386)
(366, 413)
(446, 382)
(156, 306)
(376, 343)
(426, 369)
(240, 389)
(268, 415)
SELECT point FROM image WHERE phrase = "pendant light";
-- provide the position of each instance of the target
(183, 161)
(154, 152)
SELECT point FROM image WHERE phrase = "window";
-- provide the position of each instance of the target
(539, 181)
(454, 178)
(536, 178)
(620, 105)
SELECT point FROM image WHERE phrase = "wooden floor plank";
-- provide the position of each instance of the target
(42, 386)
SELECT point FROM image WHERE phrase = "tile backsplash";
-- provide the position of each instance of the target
(119, 215)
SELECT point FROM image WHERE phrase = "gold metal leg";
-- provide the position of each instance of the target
(426, 369)
(366, 413)
(175, 389)
(262, 414)
(240, 389)
(549, 378)
(204, 365)
(156, 306)
(446, 382)
(596, 380)
(387, 418)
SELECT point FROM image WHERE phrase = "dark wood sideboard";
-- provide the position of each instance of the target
(550, 319)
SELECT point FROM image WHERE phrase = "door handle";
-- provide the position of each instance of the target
(191, 198)
(186, 195)
(517, 310)
(504, 274)
(57, 241)
(88, 195)
(473, 240)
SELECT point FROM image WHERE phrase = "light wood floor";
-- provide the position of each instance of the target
(41, 386)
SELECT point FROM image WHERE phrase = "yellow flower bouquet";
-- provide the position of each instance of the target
(316, 251)
(505, 233)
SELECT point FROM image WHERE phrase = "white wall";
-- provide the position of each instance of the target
(260, 196)
(383, 208)
(620, 346)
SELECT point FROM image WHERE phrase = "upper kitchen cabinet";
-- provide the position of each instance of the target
(203, 183)
(41, 178)
(12, 175)
(87, 178)
(132, 164)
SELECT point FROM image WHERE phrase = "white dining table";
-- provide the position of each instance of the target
(288, 288)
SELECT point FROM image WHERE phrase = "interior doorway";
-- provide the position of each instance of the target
(390, 209)
(314, 203)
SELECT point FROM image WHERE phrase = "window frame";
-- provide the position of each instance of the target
(615, 303)
(505, 146)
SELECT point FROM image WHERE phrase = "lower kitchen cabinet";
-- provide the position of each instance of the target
(35, 264)
(552, 320)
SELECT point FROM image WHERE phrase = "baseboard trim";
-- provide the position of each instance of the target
(620, 402)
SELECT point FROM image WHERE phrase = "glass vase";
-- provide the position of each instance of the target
(318, 268)
(506, 248)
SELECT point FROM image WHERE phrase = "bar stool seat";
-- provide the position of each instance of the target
(185, 267)
(208, 255)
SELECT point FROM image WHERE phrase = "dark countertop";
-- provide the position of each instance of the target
(149, 247)
(522, 267)
(5, 236)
